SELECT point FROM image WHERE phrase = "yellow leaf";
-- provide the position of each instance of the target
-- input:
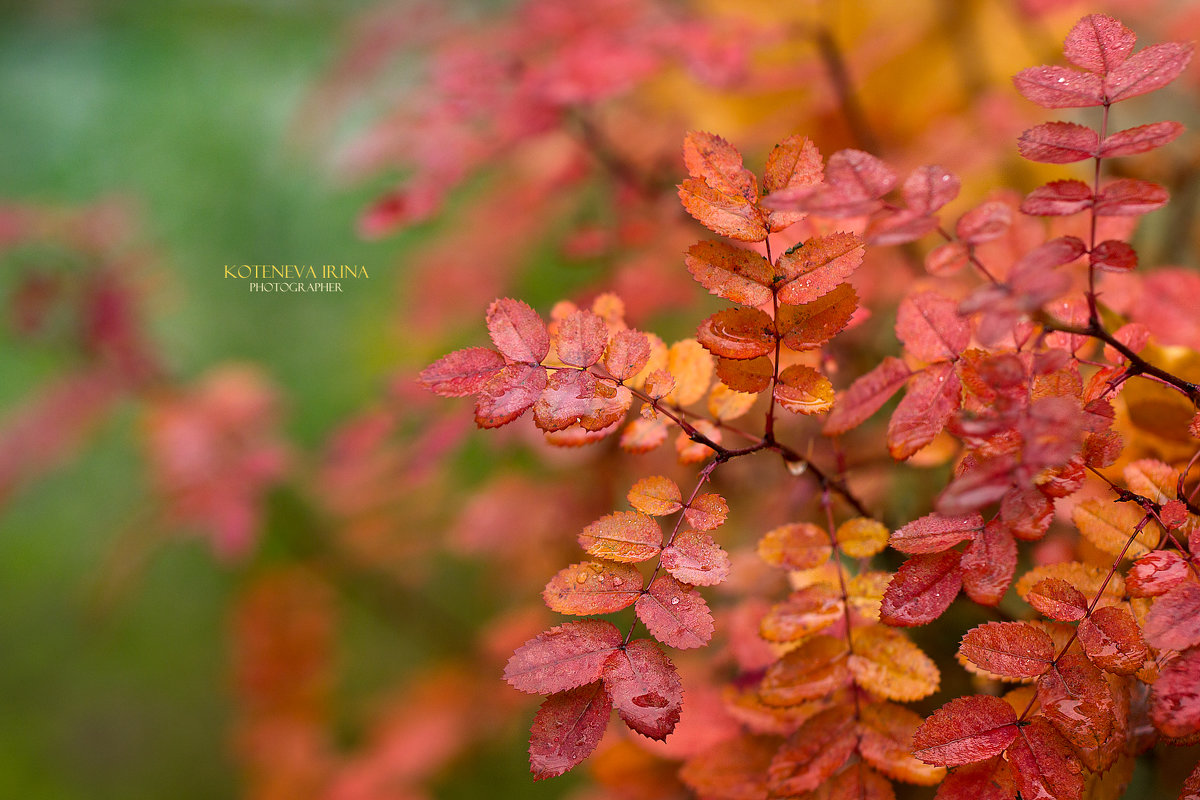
(862, 537)
(886, 663)
(1109, 525)
(1085, 578)
(725, 404)
(692, 367)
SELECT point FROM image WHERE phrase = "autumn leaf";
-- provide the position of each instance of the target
(808, 326)
(931, 328)
(1013, 650)
(719, 164)
(517, 331)
(726, 404)
(1156, 573)
(928, 188)
(581, 339)
(1059, 143)
(1127, 197)
(1113, 641)
(805, 612)
(1059, 87)
(1141, 139)
(1174, 620)
(866, 395)
(565, 657)
(886, 733)
(887, 664)
(1086, 578)
(1109, 525)
(1043, 763)
(989, 563)
(991, 779)
(1175, 702)
(626, 536)
(936, 532)
(593, 587)
(922, 589)
(706, 512)
(694, 558)
(692, 367)
(656, 495)
(1058, 199)
(1075, 697)
(1098, 43)
(573, 397)
(1058, 600)
(566, 730)
(966, 730)
(734, 273)
(628, 353)
(738, 333)
(799, 545)
(816, 668)
(814, 752)
(931, 400)
(645, 688)
(984, 223)
(862, 537)
(746, 376)
(643, 435)
(727, 214)
(508, 394)
(673, 615)
(463, 372)
(803, 390)
(816, 267)
(1150, 69)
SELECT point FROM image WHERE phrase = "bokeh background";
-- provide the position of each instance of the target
(338, 629)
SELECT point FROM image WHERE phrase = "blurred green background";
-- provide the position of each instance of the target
(186, 110)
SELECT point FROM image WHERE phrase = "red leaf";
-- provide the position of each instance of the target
(899, 227)
(645, 688)
(622, 536)
(564, 657)
(929, 188)
(813, 753)
(986, 780)
(1043, 763)
(948, 258)
(854, 182)
(1155, 573)
(518, 331)
(793, 163)
(567, 729)
(656, 496)
(1175, 703)
(1141, 139)
(988, 564)
(886, 732)
(935, 532)
(738, 333)
(966, 730)
(707, 512)
(1127, 197)
(866, 395)
(509, 394)
(574, 397)
(803, 390)
(582, 337)
(1058, 199)
(1098, 43)
(984, 223)
(1113, 641)
(1059, 87)
(627, 355)
(810, 325)
(1058, 600)
(719, 164)
(1012, 649)
(1174, 620)
(593, 587)
(1150, 69)
(696, 559)
(1076, 698)
(1113, 256)
(1191, 786)
(932, 398)
(674, 616)
(922, 589)
(462, 372)
(726, 214)
(814, 669)
(734, 273)
(931, 328)
(818, 266)
(1059, 143)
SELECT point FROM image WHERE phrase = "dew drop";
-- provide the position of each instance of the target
(674, 601)
(617, 581)
(581, 577)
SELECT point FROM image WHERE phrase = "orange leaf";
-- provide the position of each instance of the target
(1012, 650)
(734, 273)
(746, 376)
(738, 333)
(643, 435)
(814, 669)
(627, 354)
(862, 537)
(1113, 641)
(696, 559)
(726, 404)
(799, 545)
(727, 214)
(707, 512)
(1109, 525)
(808, 326)
(886, 732)
(813, 753)
(718, 163)
(886, 663)
(692, 367)
(593, 587)
(656, 495)
(805, 612)
(803, 390)
(1058, 600)
(675, 616)
(625, 536)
